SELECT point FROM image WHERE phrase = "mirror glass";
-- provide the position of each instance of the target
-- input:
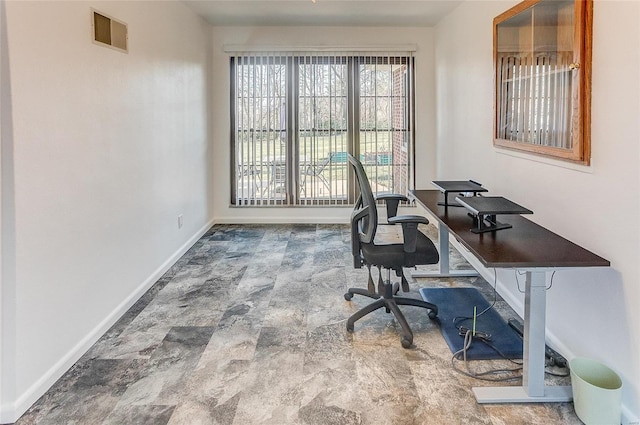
(537, 49)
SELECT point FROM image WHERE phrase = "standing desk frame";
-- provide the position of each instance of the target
(444, 267)
(446, 187)
(527, 247)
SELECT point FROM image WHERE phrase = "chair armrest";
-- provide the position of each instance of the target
(409, 219)
(409, 229)
(392, 200)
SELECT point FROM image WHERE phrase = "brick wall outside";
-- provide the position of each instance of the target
(399, 153)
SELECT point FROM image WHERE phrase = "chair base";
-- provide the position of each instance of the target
(391, 303)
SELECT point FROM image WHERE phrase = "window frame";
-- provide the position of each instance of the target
(354, 127)
(580, 116)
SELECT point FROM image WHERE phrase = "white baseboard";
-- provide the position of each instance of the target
(283, 220)
(628, 418)
(11, 412)
(8, 413)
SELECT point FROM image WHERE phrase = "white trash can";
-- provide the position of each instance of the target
(597, 392)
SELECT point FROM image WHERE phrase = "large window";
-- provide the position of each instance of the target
(295, 117)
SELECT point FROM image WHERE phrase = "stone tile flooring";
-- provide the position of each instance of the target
(249, 328)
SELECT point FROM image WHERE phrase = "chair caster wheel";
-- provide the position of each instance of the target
(433, 314)
(349, 327)
(348, 296)
(405, 343)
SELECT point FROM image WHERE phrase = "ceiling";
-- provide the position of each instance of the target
(415, 13)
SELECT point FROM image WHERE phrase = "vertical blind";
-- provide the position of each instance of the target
(322, 128)
(295, 116)
(536, 93)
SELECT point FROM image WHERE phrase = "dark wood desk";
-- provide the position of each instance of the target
(533, 249)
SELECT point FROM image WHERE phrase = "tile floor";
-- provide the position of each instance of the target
(249, 328)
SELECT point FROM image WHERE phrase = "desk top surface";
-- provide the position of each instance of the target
(525, 245)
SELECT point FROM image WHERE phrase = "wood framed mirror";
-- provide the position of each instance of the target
(542, 60)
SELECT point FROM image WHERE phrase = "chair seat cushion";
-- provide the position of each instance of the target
(387, 249)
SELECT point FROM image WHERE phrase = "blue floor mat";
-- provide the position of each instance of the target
(459, 302)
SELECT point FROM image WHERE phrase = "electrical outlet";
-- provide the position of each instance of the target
(180, 221)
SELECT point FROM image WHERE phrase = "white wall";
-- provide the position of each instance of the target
(316, 36)
(107, 149)
(590, 312)
(7, 236)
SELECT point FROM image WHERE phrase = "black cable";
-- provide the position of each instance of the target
(495, 299)
(561, 375)
(551, 281)
(468, 338)
(504, 356)
(516, 272)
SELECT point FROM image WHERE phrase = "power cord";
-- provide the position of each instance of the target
(468, 339)
(516, 273)
(493, 303)
(511, 373)
(471, 335)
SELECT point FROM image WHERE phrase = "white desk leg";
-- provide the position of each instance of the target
(535, 310)
(533, 388)
(445, 271)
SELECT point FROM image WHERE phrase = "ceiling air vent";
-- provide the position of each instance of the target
(108, 31)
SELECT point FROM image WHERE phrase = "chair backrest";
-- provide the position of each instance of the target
(364, 218)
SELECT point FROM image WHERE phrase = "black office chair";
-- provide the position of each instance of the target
(386, 250)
